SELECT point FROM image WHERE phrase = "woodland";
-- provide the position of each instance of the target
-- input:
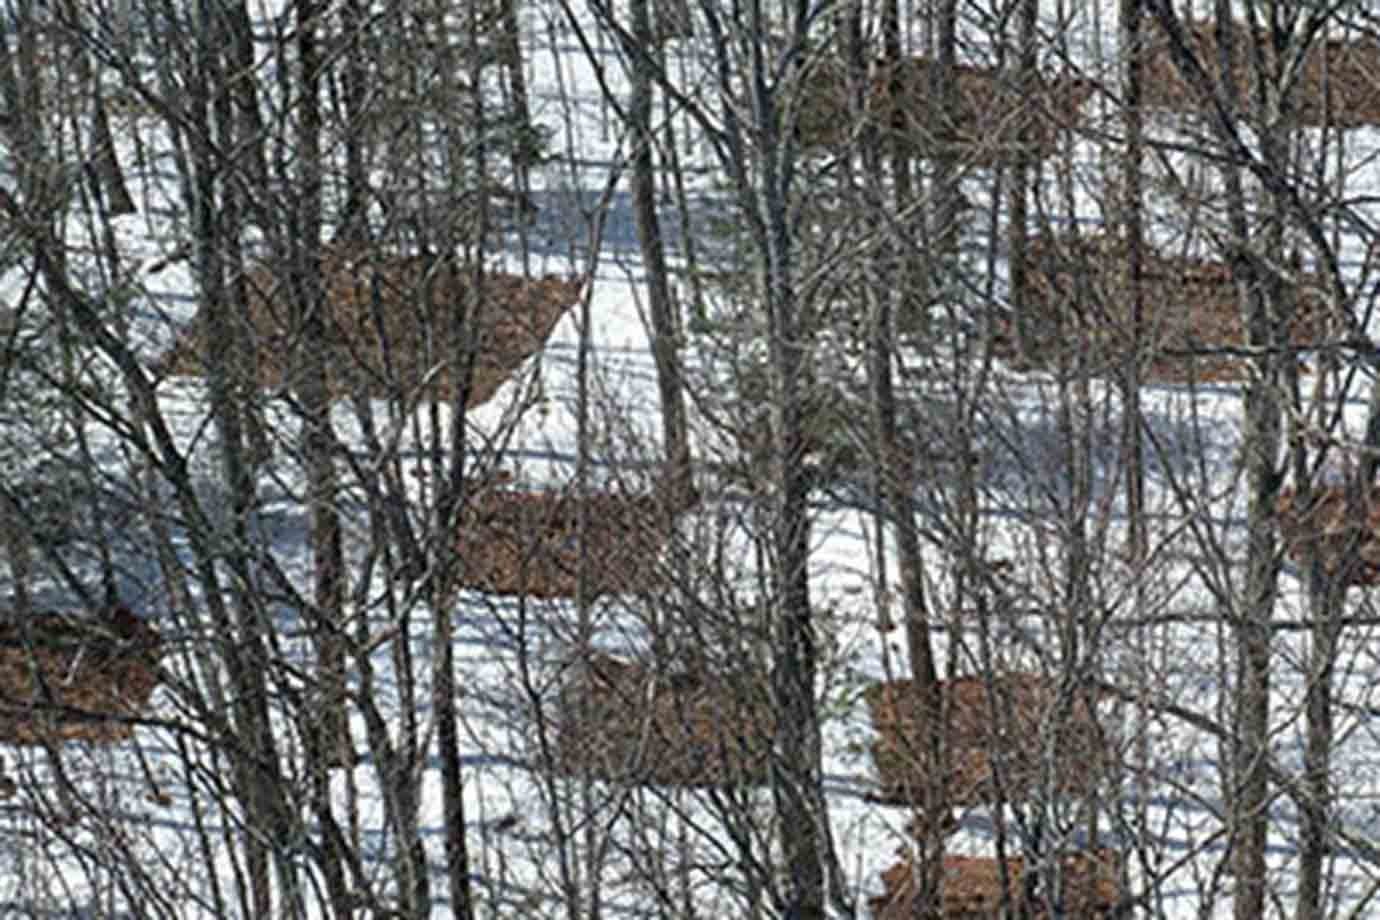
(780, 459)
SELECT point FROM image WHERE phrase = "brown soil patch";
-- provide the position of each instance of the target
(65, 679)
(971, 888)
(1078, 298)
(1339, 84)
(993, 110)
(629, 723)
(515, 542)
(384, 335)
(1325, 528)
(978, 731)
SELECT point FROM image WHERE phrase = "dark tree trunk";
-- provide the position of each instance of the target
(1250, 788)
(910, 292)
(796, 764)
(105, 165)
(1131, 225)
(1249, 795)
(943, 235)
(665, 331)
(102, 164)
(466, 148)
(240, 96)
(1249, 799)
(1018, 230)
(245, 661)
(324, 722)
(519, 113)
(1131, 215)
(354, 218)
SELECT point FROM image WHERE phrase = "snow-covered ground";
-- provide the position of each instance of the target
(1170, 643)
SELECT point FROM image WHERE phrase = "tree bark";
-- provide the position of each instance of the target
(354, 219)
(470, 153)
(1018, 230)
(795, 768)
(325, 724)
(105, 163)
(519, 111)
(1248, 798)
(1132, 224)
(102, 163)
(665, 329)
(246, 673)
(896, 479)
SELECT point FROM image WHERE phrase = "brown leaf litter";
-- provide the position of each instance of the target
(516, 542)
(628, 722)
(1078, 299)
(971, 888)
(388, 325)
(992, 743)
(68, 678)
(1325, 528)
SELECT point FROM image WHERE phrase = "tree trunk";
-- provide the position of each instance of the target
(105, 164)
(318, 434)
(470, 154)
(102, 163)
(325, 724)
(1326, 591)
(943, 235)
(1248, 802)
(354, 218)
(1131, 222)
(519, 113)
(1249, 798)
(795, 768)
(897, 480)
(1131, 219)
(1325, 606)
(665, 329)
(245, 672)
(1018, 229)
(247, 135)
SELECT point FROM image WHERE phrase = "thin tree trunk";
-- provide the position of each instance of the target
(898, 483)
(105, 164)
(243, 89)
(247, 135)
(325, 724)
(893, 462)
(1131, 215)
(245, 673)
(1018, 228)
(1249, 797)
(1248, 788)
(519, 112)
(1132, 229)
(665, 334)
(943, 235)
(795, 769)
(452, 777)
(1326, 594)
(1248, 800)
(354, 219)
(899, 480)
(942, 241)
(461, 357)
(102, 162)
